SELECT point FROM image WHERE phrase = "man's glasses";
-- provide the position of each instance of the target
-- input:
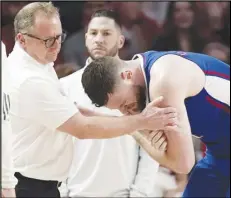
(50, 41)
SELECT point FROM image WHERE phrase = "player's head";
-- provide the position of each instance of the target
(111, 82)
(38, 30)
(103, 36)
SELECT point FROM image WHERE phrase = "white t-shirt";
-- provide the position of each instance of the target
(8, 179)
(38, 108)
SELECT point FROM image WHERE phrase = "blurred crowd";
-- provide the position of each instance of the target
(202, 27)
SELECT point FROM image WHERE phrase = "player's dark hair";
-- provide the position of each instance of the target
(111, 14)
(99, 79)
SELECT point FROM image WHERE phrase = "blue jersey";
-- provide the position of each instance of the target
(208, 111)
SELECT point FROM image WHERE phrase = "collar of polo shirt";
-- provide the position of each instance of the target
(88, 61)
(25, 55)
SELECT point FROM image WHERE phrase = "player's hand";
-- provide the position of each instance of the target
(155, 118)
(8, 192)
(158, 140)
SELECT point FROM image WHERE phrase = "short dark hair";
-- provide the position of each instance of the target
(99, 79)
(111, 14)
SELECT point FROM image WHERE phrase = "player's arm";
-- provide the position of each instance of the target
(173, 78)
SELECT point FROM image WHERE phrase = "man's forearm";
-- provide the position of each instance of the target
(108, 127)
(120, 125)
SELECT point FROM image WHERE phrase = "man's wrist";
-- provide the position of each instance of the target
(132, 123)
(139, 122)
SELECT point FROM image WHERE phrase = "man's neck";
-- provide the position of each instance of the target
(89, 59)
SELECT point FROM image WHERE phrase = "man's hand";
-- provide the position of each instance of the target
(158, 140)
(155, 118)
(8, 192)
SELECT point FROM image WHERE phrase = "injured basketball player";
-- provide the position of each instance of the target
(197, 85)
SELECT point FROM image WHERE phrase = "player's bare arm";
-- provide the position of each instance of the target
(175, 84)
(98, 127)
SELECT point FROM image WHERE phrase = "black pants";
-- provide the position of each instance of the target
(29, 187)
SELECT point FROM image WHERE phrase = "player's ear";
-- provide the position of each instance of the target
(121, 41)
(126, 75)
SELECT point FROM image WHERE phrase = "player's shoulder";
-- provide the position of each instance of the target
(174, 63)
(173, 66)
(176, 71)
(170, 58)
